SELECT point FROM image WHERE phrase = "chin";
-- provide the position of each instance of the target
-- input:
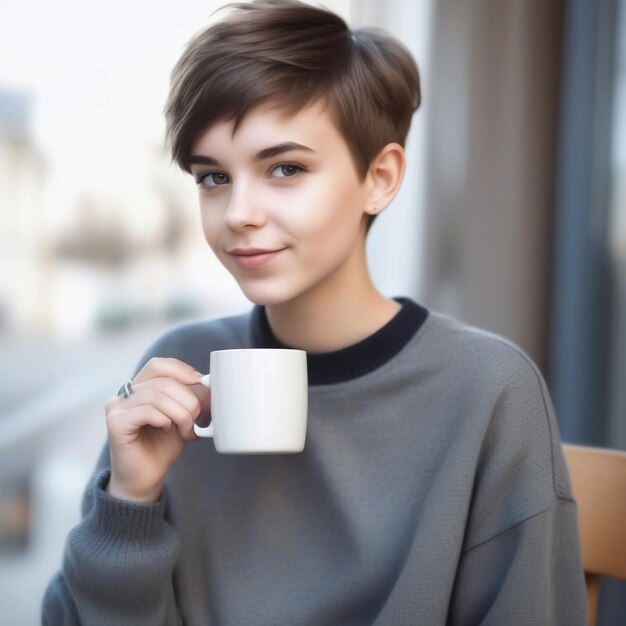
(268, 294)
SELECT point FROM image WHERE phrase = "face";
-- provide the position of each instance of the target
(286, 185)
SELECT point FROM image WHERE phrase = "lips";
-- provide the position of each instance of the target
(251, 260)
(250, 251)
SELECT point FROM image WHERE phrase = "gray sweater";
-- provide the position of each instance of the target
(432, 490)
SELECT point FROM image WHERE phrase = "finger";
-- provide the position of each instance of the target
(181, 403)
(185, 395)
(178, 413)
(204, 397)
(128, 422)
(146, 395)
(165, 367)
(195, 398)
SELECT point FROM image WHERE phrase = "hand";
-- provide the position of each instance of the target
(148, 430)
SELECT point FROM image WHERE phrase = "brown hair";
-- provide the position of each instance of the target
(292, 53)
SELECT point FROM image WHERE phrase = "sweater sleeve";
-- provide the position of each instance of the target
(521, 561)
(119, 560)
(528, 574)
(118, 565)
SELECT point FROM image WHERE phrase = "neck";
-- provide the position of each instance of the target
(353, 361)
(342, 311)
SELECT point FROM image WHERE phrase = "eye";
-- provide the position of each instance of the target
(287, 170)
(210, 180)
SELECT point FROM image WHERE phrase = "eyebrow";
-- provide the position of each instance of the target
(261, 155)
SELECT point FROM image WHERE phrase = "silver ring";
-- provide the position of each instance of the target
(126, 389)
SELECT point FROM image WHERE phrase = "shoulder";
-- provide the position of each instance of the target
(496, 366)
(193, 341)
(519, 467)
(479, 359)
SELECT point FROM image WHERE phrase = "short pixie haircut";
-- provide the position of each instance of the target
(291, 54)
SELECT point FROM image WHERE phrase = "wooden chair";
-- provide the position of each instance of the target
(598, 478)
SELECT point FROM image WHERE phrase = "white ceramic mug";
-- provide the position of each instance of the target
(259, 401)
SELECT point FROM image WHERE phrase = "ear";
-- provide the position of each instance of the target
(384, 177)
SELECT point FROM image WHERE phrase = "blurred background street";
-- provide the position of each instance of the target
(50, 436)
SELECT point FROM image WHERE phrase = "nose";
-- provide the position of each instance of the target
(244, 207)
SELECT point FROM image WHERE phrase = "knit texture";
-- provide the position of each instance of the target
(431, 490)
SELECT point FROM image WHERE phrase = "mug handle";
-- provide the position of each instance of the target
(207, 431)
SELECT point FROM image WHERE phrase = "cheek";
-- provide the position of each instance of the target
(331, 221)
(210, 227)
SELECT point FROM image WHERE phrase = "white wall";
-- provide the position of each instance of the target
(395, 247)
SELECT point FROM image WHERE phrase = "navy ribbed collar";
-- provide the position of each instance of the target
(355, 360)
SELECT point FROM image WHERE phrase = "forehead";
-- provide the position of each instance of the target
(267, 125)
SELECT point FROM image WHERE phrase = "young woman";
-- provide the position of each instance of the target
(432, 488)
